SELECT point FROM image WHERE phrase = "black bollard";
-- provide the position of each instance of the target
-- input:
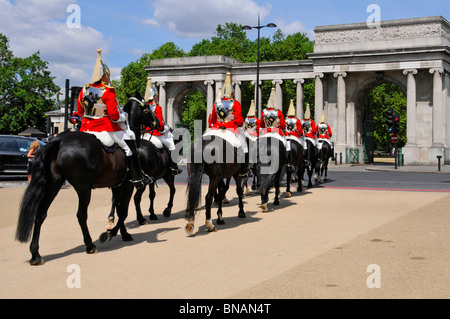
(439, 162)
(340, 158)
(335, 158)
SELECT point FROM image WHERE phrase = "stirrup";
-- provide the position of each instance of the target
(176, 170)
(143, 182)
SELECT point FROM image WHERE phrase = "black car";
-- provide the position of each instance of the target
(13, 154)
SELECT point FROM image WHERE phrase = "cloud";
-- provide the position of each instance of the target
(34, 25)
(294, 27)
(199, 18)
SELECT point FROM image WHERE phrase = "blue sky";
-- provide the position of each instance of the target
(127, 29)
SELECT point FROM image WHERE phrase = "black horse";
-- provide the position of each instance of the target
(80, 159)
(297, 154)
(270, 165)
(154, 162)
(324, 155)
(219, 160)
(311, 160)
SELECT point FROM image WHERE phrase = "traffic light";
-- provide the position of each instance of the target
(396, 124)
(390, 119)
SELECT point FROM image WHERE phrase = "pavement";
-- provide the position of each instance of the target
(354, 245)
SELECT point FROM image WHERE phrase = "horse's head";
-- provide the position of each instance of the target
(139, 112)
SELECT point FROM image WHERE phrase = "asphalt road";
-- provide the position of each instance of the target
(322, 243)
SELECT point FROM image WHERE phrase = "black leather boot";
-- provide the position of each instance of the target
(174, 167)
(289, 165)
(138, 177)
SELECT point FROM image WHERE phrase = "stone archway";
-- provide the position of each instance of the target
(414, 54)
(365, 126)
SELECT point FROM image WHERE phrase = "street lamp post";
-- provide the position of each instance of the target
(258, 27)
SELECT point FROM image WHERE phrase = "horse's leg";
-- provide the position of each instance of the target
(170, 181)
(111, 215)
(84, 198)
(137, 204)
(288, 184)
(277, 191)
(240, 193)
(264, 200)
(125, 192)
(50, 195)
(151, 196)
(222, 189)
(213, 184)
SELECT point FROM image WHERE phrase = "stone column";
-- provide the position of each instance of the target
(300, 98)
(237, 91)
(162, 100)
(258, 91)
(438, 114)
(341, 108)
(209, 98)
(279, 93)
(318, 100)
(411, 106)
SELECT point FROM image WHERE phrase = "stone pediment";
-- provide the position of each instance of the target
(392, 34)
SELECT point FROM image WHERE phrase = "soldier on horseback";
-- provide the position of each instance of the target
(324, 133)
(227, 114)
(309, 127)
(272, 121)
(293, 126)
(252, 123)
(97, 104)
(163, 133)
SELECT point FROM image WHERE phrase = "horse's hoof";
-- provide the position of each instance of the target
(105, 237)
(91, 250)
(220, 222)
(276, 203)
(38, 261)
(288, 195)
(264, 208)
(153, 217)
(225, 200)
(167, 212)
(110, 223)
(209, 225)
(127, 237)
(242, 215)
(189, 229)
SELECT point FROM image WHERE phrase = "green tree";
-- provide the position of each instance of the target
(134, 76)
(379, 100)
(26, 91)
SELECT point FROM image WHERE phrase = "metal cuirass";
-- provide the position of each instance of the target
(291, 124)
(271, 119)
(250, 124)
(306, 126)
(93, 103)
(323, 129)
(224, 110)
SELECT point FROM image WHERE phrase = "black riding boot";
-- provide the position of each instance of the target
(244, 167)
(174, 166)
(138, 177)
(290, 167)
(332, 153)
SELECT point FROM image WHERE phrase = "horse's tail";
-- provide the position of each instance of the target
(36, 190)
(194, 189)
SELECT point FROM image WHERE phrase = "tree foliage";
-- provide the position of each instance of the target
(379, 100)
(27, 91)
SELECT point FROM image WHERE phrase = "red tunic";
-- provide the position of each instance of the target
(278, 129)
(255, 131)
(232, 125)
(312, 134)
(298, 132)
(327, 135)
(112, 113)
(159, 115)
